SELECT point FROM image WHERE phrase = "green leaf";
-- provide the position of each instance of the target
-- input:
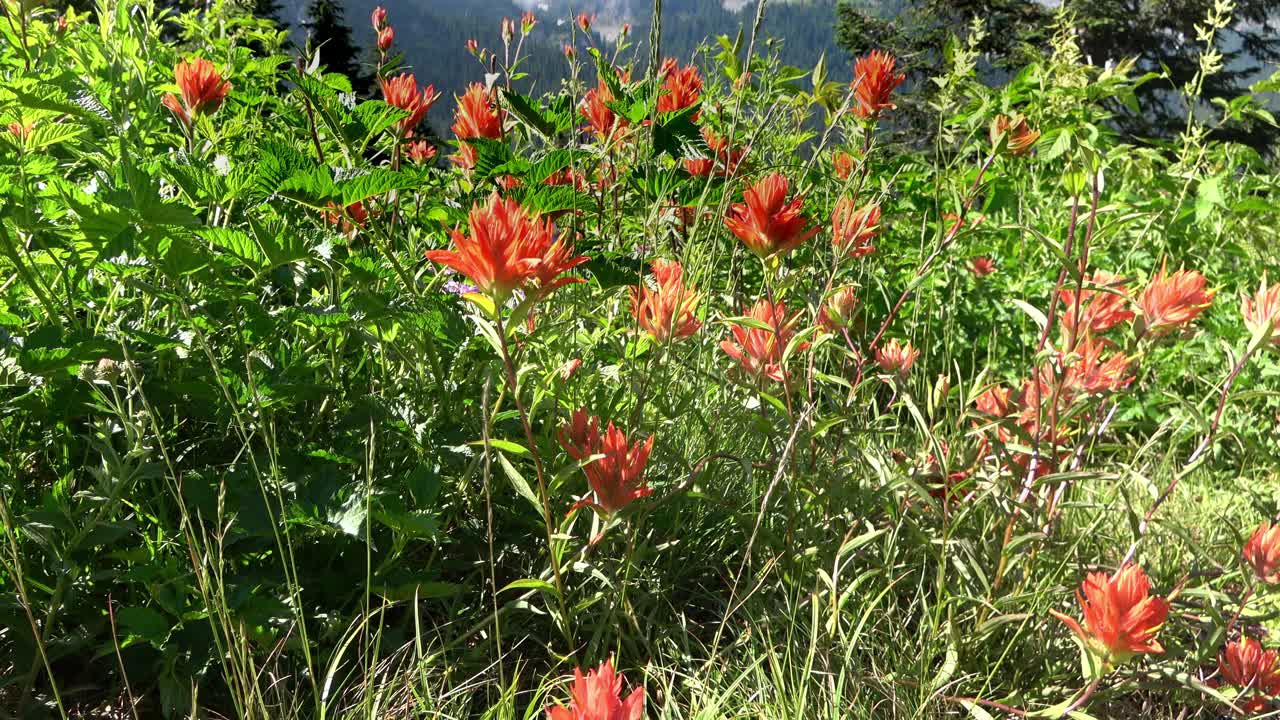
(374, 183)
(530, 584)
(518, 482)
(140, 623)
(237, 244)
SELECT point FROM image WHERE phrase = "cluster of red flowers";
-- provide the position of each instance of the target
(614, 469)
(597, 695)
(402, 92)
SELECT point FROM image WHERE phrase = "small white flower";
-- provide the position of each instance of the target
(325, 249)
(222, 164)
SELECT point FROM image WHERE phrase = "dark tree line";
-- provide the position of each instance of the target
(1160, 34)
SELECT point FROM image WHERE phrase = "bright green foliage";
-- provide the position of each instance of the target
(260, 458)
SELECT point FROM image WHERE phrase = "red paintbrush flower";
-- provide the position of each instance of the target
(378, 17)
(722, 162)
(477, 116)
(1262, 553)
(1172, 301)
(508, 250)
(1019, 137)
(420, 151)
(203, 90)
(766, 223)
(386, 38)
(681, 86)
(1089, 374)
(585, 21)
(615, 479)
(598, 696)
(1262, 313)
(981, 266)
(853, 228)
(759, 350)
(1100, 305)
(600, 118)
(1246, 665)
(402, 92)
(844, 164)
(1121, 617)
(874, 83)
(666, 313)
(897, 358)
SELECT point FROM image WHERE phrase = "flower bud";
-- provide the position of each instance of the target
(379, 17)
(386, 36)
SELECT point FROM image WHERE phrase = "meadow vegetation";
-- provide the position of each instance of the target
(684, 391)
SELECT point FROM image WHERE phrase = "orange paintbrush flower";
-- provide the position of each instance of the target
(598, 696)
(402, 92)
(615, 479)
(1246, 665)
(1018, 135)
(666, 313)
(203, 90)
(378, 17)
(837, 312)
(896, 357)
(1262, 553)
(477, 116)
(21, 130)
(1172, 301)
(1121, 617)
(420, 152)
(1100, 304)
(853, 228)
(1262, 313)
(681, 87)
(507, 249)
(844, 164)
(759, 350)
(766, 223)
(874, 83)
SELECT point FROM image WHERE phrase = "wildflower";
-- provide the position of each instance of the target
(598, 696)
(402, 92)
(897, 357)
(874, 83)
(766, 223)
(507, 249)
(723, 161)
(615, 479)
(21, 130)
(853, 229)
(568, 369)
(1018, 136)
(1121, 617)
(837, 313)
(349, 219)
(1095, 310)
(386, 38)
(1262, 553)
(1172, 301)
(585, 21)
(203, 90)
(844, 164)
(420, 151)
(981, 266)
(477, 116)
(473, 47)
(759, 350)
(625, 30)
(379, 17)
(508, 30)
(600, 118)
(1244, 664)
(527, 22)
(569, 52)
(682, 87)
(61, 26)
(994, 401)
(1261, 313)
(667, 313)
(1091, 375)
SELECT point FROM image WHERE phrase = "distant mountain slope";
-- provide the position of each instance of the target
(432, 33)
